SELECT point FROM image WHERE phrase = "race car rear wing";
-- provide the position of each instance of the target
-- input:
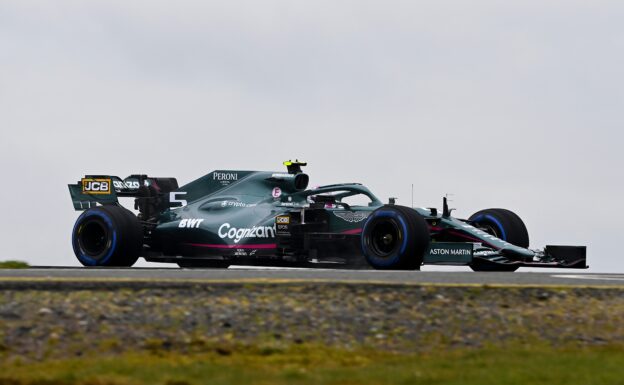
(93, 190)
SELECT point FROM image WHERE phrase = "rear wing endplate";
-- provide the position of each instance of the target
(94, 190)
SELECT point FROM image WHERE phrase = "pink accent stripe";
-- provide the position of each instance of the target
(258, 246)
(354, 231)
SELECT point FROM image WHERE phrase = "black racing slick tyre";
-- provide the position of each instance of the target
(505, 225)
(395, 238)
(107, 236)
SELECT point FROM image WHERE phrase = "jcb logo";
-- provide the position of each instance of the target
(96, 186)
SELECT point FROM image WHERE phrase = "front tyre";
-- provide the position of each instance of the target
(502, 224)
(107, 236)
(395, 238)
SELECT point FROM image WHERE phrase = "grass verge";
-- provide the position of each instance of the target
(13, 265)
(319, 365)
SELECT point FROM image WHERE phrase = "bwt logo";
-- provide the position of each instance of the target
(96, 186)
(190, 223)
(228, 176)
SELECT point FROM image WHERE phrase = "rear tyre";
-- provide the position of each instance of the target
(395, 238)
(107, 236)
(505, 225)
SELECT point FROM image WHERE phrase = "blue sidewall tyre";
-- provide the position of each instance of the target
(118, 237)
(507, 225)
(408, 250)
(82, 256)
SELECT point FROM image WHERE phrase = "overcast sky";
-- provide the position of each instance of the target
(504, 104)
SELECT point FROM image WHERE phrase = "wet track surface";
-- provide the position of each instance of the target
(571, 278)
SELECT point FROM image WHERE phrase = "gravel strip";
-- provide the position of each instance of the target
(54, 320)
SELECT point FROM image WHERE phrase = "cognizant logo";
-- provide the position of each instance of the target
(227, 231)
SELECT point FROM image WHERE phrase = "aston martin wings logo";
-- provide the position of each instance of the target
(351, 216)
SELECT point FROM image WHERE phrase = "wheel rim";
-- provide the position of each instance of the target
(94, 238)
(385, 237)
(490, 229)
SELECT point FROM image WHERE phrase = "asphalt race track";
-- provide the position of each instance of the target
(571, 278)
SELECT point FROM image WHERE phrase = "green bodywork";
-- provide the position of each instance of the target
(238, 211)
(233, 213)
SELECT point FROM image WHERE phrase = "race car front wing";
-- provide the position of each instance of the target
(460, 253)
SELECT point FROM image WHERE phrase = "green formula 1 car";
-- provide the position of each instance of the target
(272, 218)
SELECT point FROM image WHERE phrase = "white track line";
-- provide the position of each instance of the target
(594, 277)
